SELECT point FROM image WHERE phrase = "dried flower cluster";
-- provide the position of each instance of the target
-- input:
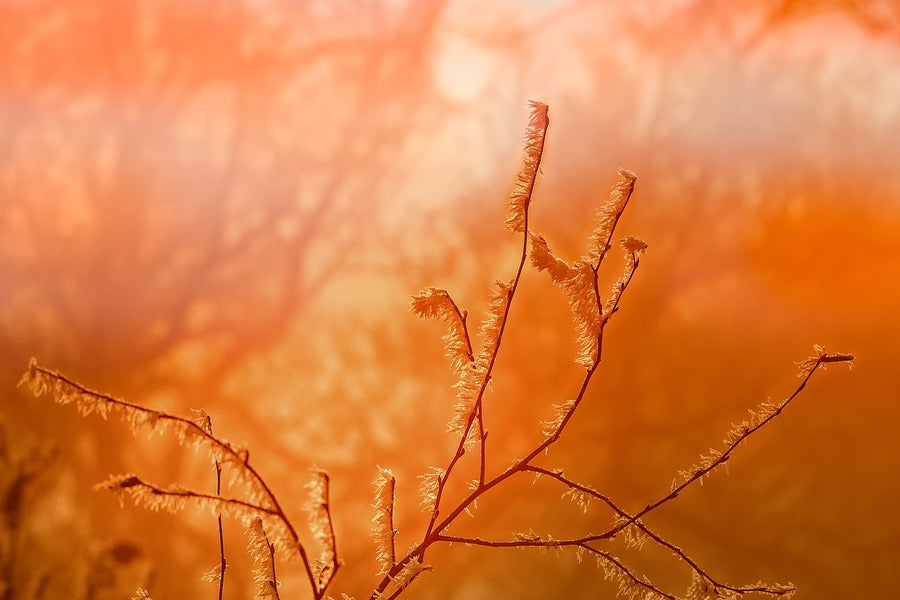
(579, 280)
(269, 531)
(520, 197)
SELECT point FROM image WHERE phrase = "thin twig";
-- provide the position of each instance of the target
(132, 483)
(538, 542)
(460, 450)
(273, 583)
(627, 572)
(482, 435)
(390, 513)
(400, 590)
(463, 317)
(222, 564)
(483, 487)
(236, 455)
(650, 534)
(741, 438)
(332, 541)
(477, 410)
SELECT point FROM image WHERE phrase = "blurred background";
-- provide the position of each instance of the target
(226, 205)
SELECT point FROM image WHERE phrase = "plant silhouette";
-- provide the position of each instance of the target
(270, 531)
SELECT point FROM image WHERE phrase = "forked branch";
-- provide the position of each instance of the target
(592, 313)
(592, 310)
(189, 432)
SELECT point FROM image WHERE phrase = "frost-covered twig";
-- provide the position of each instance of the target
(188, 432)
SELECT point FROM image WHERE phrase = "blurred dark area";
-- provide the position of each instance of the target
(226, 205)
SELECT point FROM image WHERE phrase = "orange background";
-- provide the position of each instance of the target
(227, 204)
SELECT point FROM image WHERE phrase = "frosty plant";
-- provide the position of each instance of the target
(270, 531)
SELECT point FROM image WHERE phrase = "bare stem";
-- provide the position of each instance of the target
(463, 317)
(136, 487)
(432, 533)
(234, 455)
(390, 513)
(332, 540)
(222, 563)
(478, 407)
(477, 411)
(650, 534)
(745, 433)
(273, 583)
(537, 542)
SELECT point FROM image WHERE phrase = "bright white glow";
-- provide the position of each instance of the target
(461, 68)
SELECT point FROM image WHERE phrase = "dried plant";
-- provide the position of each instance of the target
(269, 530)
(20, 473)
(258, 508)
